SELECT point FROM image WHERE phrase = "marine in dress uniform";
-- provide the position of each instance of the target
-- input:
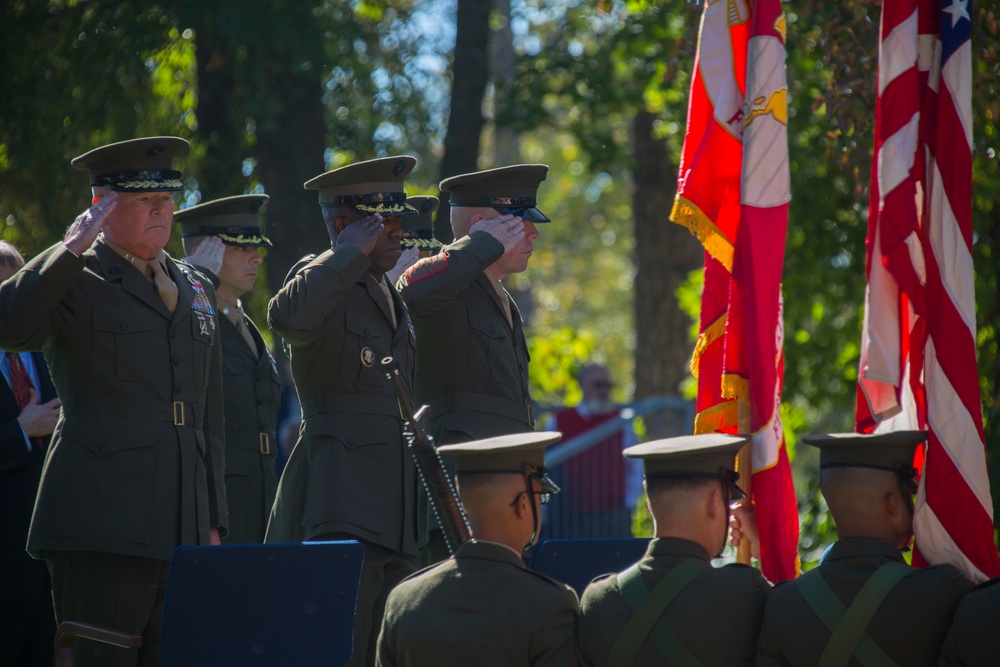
(473, 365)
(673, 607)
(973, 640)
(863, 605)
(229, 235)
(350, 475)
(482, 606)
(135, 467)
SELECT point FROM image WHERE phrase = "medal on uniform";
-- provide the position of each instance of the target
(367, 357)
(203, 323)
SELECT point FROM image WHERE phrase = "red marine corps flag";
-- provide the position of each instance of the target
(918, 347)
(733, 193)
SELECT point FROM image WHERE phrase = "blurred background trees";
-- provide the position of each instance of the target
(272, 93)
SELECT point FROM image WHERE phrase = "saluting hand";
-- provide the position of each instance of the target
(406, 259)
(208, 254)
(84, 230)
(507, 229)
(362, 234)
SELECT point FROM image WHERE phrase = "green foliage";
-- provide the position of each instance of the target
(580, 275)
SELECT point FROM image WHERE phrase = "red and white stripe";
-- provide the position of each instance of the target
(919, 365)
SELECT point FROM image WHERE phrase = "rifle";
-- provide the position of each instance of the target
(444, 500)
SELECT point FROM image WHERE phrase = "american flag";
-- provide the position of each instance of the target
(918, 363)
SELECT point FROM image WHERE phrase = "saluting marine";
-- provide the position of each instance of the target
(135, 468)
(473, 365)
(222, 239)
(349, 475)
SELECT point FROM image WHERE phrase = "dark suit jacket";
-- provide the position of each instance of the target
(349, 471)
(717, 616)
(22, 578)
(480, 607)
(909, 626)
(136, 461)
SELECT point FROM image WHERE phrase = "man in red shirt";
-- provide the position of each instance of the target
(600, 486)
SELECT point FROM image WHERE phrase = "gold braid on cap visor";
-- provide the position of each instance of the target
(423, 244)
(381, 208)
(139, 181)
(243, 239)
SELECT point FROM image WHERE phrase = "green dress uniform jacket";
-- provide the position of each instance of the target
(350, 471)
(473, 367)
(135, 466)
(480, 607)
(909, 626)
(717, 616)
(251, 391)
(974, 638)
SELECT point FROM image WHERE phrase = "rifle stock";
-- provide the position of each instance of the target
(444, 500)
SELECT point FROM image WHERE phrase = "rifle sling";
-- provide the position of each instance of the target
(648, 608)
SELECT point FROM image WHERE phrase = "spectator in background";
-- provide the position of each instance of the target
(28, 413)
(601, 487)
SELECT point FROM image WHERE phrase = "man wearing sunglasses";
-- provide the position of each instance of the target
(482, 606)
(473, 365)
(673, 607)
(863, 604)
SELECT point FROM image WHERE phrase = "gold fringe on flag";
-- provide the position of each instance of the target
(717, 418)
(734, 386)
(705, 338)
(716, 244)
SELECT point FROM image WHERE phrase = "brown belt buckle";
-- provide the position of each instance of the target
(265, 444)
(179, 414)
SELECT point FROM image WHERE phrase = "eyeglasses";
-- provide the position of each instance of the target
(543, 497)
(601, 384)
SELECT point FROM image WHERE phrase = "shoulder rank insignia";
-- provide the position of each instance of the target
(426, 267)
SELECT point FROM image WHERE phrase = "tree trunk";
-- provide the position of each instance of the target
(506, 141)
(290, 152)
(465, 118)
(664, 253)
(220, 135)
(283, 101)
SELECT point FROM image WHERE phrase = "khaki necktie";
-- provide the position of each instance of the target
(164, 285)
(505, 300)
(244, 329)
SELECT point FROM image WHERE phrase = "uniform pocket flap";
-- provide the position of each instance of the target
(351, 430)
(362, 324)
(485, 325)
(102, 439)
(121, 320)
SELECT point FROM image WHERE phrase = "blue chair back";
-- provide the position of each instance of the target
(261, 605)
(577, 562)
